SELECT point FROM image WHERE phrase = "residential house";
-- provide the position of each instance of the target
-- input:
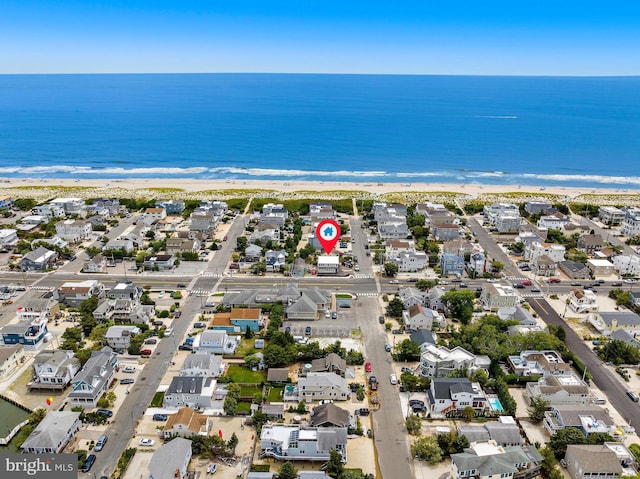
(588, 419)
(451, 264)
(264, 233)
(70, 206)
(39, 259)
(625, 336)
(252, 253)
(487, 460)
(536, 250)
(479, 263)
(583, 301)
(322, 211)
(204, 222)
(203, 364)
(5, 203)
(329, 415)
(195, 392)
(275, 260)
(627, 265)
(445, 232)
(162, 262)
(505, 432)
(589, 461)
(105, 207)
(331, 363)
(544, 266)
(538, 363)
(610, 215)
(328, 264)
(152, 215)
(274, 411)
(419, 317)
(119, 337)
(556, 221)
(440, 361)
(254, 298)
(124, 245)
(10, 358)
(410, 262)
(8, 238)
(495, 296)
(54, 369)
(317, 386)
(182, 245)
(274, 214)
(170, 461)
(435, 299)
(607, 322)
(48, 212)
(600, 267)
(299, 443)
(171, 207)
(507, 223)
(393, 229)
(460, 247)
(30, 334)
(278, 375)
(449, 396)
(423, 338)
(186, 423)
(491, 212)
(301, 308)
(42, 308)
(631, 224)
(74, 231)
(528, 237)
(590, 243)
(53, 433)
(215, 342)
(93, 379)
(72, 293)
(124, 310)
(537, 207)
(560, 389)
(574, 270)
(411, 296)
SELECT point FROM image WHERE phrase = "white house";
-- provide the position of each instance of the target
(534, 251)
(631, 224)
(298, 443)
(323, 386)
(72, 293)
(583, 301)
(195, 392)
(215, 342)
(8, 238)
(440, 361)
(328, 264)
(496, 296)
(203, 364)
(54, 369)
(151, 215)
(10, 358)
(556, 221)
(487, 460)
(412, 261)
(610, 215)
(600, 267)
(71, 206)
(119, 337)
(451, 395)
(170, 461)
(419, 317)
(74, 231)
(627, 265)
(54, 432)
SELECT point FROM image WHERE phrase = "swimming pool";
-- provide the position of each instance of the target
(495, 403)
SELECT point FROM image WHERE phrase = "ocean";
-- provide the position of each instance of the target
(557, 131)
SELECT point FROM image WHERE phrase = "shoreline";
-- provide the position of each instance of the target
(192, 188)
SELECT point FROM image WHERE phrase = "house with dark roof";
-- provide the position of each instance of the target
(607, 322)
(10, 358)
(419, 317)
(590, 243)
(93, 380)
(273, 410)
(487, 460)
(278, 375)
(423, 338)
(574, 270)
(589, 461)
(97, 264)
(329, 415)
(195, 392)
(332, 363)
(39, 259)
(54, 432)
(449, 396)
(626, 336)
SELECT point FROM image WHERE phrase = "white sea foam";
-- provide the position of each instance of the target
(290, 173)
(584, 178)
(497, 117)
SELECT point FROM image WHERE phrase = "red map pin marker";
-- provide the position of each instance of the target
(328, 234)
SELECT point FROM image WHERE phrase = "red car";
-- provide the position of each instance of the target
(367, 367)
(145, 352)
(526, 282)
(553, 280)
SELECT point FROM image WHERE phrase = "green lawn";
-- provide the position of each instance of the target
(157, 399)
(275, 394)
(246, 347)
(250, 390)
(243, 407)
(240, 374)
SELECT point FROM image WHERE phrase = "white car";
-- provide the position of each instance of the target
(161, 294)
(146, 442)
(394, 281)
(129, 369)
(630, 281)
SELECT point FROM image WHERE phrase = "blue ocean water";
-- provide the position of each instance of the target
(451, 129)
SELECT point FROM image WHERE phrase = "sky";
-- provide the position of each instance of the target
(456, 37)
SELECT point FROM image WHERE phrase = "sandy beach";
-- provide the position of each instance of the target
(188, 188)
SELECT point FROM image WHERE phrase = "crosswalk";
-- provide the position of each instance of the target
(363, 276)
(209, 274)
(41, 288)
(532, 295)
(516, 278)
(367, 294)
(199, 292)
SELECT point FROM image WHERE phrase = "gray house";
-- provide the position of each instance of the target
(202, 364)
(170, 460)
(53, 433)
(39, 259)
(93, 380)
(589, 461)
(323, 386)
(195, 392)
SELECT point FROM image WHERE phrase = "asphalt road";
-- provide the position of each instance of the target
(603, 377)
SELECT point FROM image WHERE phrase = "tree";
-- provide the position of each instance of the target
(468, 413)
(335, 468)
(452, 443)
(88, 306)
(460, 304)
(232, 443)
(425, 284)
(559, 441)
(427, 449)
(111, 397)
(287, 471)
(395, 308)
(408, 350)
(230, 406)
(497, 266)
(248, 334)
(390, 269)
(233, 390)
(537, 409)
(241, 243)
(414, 424)
(24, 204)
(252, 361)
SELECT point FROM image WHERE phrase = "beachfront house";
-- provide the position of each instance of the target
(54, 369)
(53, 433)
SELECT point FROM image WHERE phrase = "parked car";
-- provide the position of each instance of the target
(381, 319)
(186, 347)
(86, 467)
(387, 347)
(526, 282)
(145, 352)
(518, 286)
(393, 379)
(150, 341)
(396, 331)
(334, 315)
(102, 440)
(367, 367)
(127, 381)
(160, 417)
(199, 325)
(307, 330)
(406, 370)
(630, 281)
(129, 369)
(363, 411)
(104, 412)
(168, 332)
(145, 441)
(157, 323)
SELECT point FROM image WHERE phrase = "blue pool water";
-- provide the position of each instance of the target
(496, 405)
